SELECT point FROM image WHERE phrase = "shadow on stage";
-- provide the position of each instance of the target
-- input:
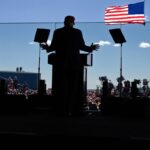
(120, 121)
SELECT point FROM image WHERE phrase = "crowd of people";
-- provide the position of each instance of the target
(14, 87)
(93, 99)
(126, 88)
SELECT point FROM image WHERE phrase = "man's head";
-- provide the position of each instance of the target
(69, 21)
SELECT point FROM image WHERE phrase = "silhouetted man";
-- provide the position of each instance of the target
(67, 43)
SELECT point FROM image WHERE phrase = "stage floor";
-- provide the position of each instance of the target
(93, 128)
(39, 122)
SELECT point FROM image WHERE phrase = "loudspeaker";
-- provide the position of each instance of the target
(42, 87)
(3, 88)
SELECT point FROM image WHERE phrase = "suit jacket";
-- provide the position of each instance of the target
(67, 43)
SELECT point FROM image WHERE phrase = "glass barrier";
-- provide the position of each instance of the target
(19, 52)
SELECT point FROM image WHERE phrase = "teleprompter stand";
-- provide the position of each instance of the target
(118, 38)
(41, 36)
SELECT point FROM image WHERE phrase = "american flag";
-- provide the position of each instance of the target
(128, 14)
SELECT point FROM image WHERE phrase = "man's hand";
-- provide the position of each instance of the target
(95, 46)
(44, 46)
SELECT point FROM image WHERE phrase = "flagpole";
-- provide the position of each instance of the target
(120, 89)
(144, 7)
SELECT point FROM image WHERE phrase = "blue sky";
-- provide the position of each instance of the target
(19, 20)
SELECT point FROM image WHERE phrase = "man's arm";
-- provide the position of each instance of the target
(52, 46)
(95, 46)
(46, 47)
(85, 47)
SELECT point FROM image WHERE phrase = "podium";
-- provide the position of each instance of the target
(58, 84)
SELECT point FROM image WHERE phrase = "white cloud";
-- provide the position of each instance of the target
(116, 45)
(144, 45)
(146, 18)
(102, 43)
(31, 43)
(48, 42)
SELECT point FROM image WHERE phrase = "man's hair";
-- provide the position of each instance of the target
(69, 19)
